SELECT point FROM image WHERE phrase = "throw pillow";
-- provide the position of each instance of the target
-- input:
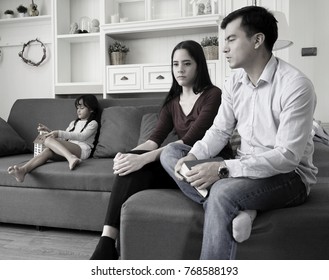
(119, 132)
(149, 122)
(10, 142)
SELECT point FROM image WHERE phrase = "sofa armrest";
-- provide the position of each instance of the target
(151, 227)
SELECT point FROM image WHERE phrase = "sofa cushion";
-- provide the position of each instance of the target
(10, 142)
(320, 159)
(120, 129)
(149, 122)
(165, 219)
(25, 115)
(91, 175)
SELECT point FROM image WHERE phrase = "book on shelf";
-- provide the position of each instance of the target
(187, 166)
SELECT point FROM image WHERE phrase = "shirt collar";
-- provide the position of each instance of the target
(267, 74)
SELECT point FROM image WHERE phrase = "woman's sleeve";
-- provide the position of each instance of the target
(164, 126)
(208, 111)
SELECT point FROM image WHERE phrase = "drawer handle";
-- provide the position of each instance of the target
(124, 78)
(160, 77)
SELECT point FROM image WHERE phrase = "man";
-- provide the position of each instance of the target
(271, 104)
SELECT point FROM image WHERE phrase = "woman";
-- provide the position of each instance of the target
(189, 109)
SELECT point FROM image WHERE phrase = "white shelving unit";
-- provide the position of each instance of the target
(151, 43)
(150, 28)
(77, 56)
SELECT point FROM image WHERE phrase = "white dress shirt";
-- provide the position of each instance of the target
(274, 119)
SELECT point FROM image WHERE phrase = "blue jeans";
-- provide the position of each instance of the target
(228, 196)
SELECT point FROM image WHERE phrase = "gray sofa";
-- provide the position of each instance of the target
(171, 225)
(52, 195)
(155, 224)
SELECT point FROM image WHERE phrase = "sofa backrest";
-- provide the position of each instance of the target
(25, 114)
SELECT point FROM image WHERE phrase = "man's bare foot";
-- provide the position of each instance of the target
(74, 162)
(18, 172)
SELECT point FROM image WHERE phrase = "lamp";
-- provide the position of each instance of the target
(283, 37)
(283, 30)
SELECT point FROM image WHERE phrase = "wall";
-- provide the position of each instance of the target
(322, 60)
(309, 23)
(17, 79)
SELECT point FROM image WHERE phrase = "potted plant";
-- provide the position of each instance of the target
(118, 52)
(9, 13)
(22, 10)
(210, 47)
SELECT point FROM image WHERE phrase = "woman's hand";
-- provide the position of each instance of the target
(127, 163)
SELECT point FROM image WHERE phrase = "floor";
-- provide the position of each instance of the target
(18, 242)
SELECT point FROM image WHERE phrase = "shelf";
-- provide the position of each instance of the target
(80, 38)
(161, 28)
(84, 87)
(25, 20)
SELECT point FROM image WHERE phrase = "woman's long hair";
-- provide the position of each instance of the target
(202, 80)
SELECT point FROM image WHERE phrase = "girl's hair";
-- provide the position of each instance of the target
(202, 80)
(255, 19)
(90, 101)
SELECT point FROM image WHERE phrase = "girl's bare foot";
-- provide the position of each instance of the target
(74, 162)
(18, 172)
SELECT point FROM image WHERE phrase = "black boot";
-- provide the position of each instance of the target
(105, 249)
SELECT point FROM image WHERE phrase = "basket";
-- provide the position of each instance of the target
(211, 52)
(118, 58)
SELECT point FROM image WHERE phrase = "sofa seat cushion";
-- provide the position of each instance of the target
(91, 175)
(166, 214)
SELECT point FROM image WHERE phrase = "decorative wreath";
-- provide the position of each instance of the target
(28, 61)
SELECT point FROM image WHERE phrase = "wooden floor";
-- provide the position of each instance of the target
(19, 242)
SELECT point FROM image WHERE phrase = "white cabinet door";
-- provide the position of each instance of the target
(122, 78)
(157, 77)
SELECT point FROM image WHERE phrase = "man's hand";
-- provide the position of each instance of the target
(179, 164)
(203, 175)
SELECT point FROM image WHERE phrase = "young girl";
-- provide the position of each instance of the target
(75, 144)
(190, 107)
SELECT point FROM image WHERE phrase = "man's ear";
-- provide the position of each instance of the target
(259, 39)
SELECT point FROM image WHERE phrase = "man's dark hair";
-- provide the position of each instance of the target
(255, 19)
